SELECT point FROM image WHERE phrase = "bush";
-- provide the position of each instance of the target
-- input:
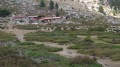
(4, 12)
(50, 57)
(100, 52)
(98, 49)
(26, 43)
(7, 37)
(101, 9)
(17, 61)
(74, 47)
(81, 60)
(54, 49)
(5, 51)
(44, 61)
(86, 42)
(88, 39)
(115, 57)
(97, 29)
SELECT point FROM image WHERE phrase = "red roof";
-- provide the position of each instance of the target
(36, 17)
(18, 17)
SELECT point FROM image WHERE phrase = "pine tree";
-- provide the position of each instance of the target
(57, 14)
(51, 5)
(42, 3)
(101, 1)
(4, 12)
(101, 10)
(56, 6)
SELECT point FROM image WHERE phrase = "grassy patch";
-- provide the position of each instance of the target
(83, 62)
(28, 27)
(37, 47)
(87, 46)
(115, 57)
(55, 36)
(101, 50)
(113, 38)
(29, 54)
(7, 37)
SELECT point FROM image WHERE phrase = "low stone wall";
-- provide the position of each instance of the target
(7, 43)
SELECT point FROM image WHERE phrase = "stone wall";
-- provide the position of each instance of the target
(7, 43)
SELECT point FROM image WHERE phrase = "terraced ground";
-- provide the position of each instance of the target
(69, 53)
(54, 48)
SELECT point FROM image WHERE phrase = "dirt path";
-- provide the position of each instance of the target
(66, 52)
(72, 53)
(19, 33)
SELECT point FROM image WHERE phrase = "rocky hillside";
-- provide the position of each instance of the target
(88, 5)
(67, 5)
(76, 8)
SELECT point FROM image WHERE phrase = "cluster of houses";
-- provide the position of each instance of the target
(21, 19)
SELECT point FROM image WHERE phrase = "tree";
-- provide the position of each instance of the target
(4, 12)
(51, 5)
(42, 3)
(101, 10)
(101, 1)
(57, 14)
(56, 6)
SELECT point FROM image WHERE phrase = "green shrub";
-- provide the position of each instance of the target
(26, 43)
(88, 39)
(83, 61)
(47, 55)
(74, 47)
(98, 49)
(115, 57)
(4, 51)
(7, 37)
(54, 49)
(37, 47)
(97, 29)
(4, 12)
(17, 61)
(44, 61)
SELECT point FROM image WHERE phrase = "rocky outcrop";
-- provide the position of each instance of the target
(87, 5)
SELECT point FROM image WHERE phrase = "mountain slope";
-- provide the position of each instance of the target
(87, 5)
